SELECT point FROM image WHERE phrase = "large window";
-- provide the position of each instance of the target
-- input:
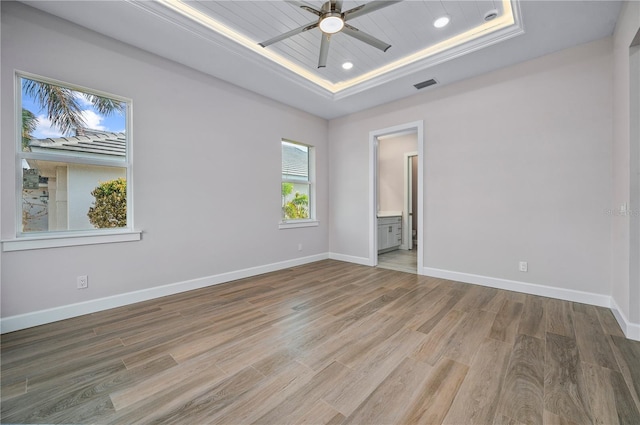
(297, 183)
(74, 153)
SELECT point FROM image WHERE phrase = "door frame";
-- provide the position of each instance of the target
(407, 222)
(410, 127)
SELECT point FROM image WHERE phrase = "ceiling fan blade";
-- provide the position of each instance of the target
(288, 34)
(324, 51)
(306, 6)
(363, 36)
(367, 8)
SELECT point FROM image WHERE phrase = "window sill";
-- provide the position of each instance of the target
(57, 241)
(298, 223)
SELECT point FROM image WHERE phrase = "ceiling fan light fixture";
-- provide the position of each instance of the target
(442, 21)
(331, 23)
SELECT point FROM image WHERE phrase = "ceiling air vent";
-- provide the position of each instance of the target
(425, 84)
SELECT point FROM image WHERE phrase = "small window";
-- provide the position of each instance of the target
(297, 182)
(74, 153)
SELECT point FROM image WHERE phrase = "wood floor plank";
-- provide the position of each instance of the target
(501, 419)
(464, 340)
(32, 365)
(320, 413)
(533, 320)
(68, 377)
(413, 302)
(167, 399)
(165, 380)
(626, 407)
(365, 376)
(61, 369)
(436, 396)
(438, 311)
(592, 342)
(609, 323)
(601, 397)
(580, 308)
(495, 304)
(364, 344)
(565, 391)
(430, 350)
(627, 354)
(477, 298)
(522, 396)
(176, 327)
(264, 396)
(386, 403)
(39, 406)
(213, 400)
(13, 389)
(506, 323)
(134, 323)
(276, 361)
(559, 317)
(239, 353)
(553, 419)
(477, 399)
(45, 344)
(325, 296)
(293, 407)
(359, 332)
(184, 345)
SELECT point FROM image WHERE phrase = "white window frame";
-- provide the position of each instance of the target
(52, 239)
(301, 222)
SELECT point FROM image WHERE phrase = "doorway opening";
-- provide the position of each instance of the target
(396, 197)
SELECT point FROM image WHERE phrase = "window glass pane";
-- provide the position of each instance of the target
(58, 120)
(295, 162)
(295, 200)
(59, 196)
(74, 158)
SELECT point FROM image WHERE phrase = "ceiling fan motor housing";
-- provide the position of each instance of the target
(331, 20)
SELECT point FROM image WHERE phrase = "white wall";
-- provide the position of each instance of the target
(391, 165)
(517, 167)
(625, 243)
(206, 174)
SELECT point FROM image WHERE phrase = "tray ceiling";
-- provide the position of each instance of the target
(221, 38)
(407, 26)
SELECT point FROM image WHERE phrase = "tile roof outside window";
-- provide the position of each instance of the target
(86, 142)
(295, 162)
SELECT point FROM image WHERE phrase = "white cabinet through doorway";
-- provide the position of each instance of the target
(389, 233)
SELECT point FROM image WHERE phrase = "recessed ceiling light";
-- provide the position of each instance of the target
(441, 21)
(347, 65)
(491, 15)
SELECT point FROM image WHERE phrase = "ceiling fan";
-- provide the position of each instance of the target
(331, 20)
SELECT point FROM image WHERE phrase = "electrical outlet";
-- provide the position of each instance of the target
(299, 247)
(523, 266)
(83, 282)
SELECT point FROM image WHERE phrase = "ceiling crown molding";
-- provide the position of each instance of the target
(179, 13)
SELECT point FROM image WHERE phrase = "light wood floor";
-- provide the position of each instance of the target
(402, 260)
(328, 343)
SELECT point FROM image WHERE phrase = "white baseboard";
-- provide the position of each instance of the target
(36, 318)
(631, 330)
(23, 321)
(527, 288)
(350, 259)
